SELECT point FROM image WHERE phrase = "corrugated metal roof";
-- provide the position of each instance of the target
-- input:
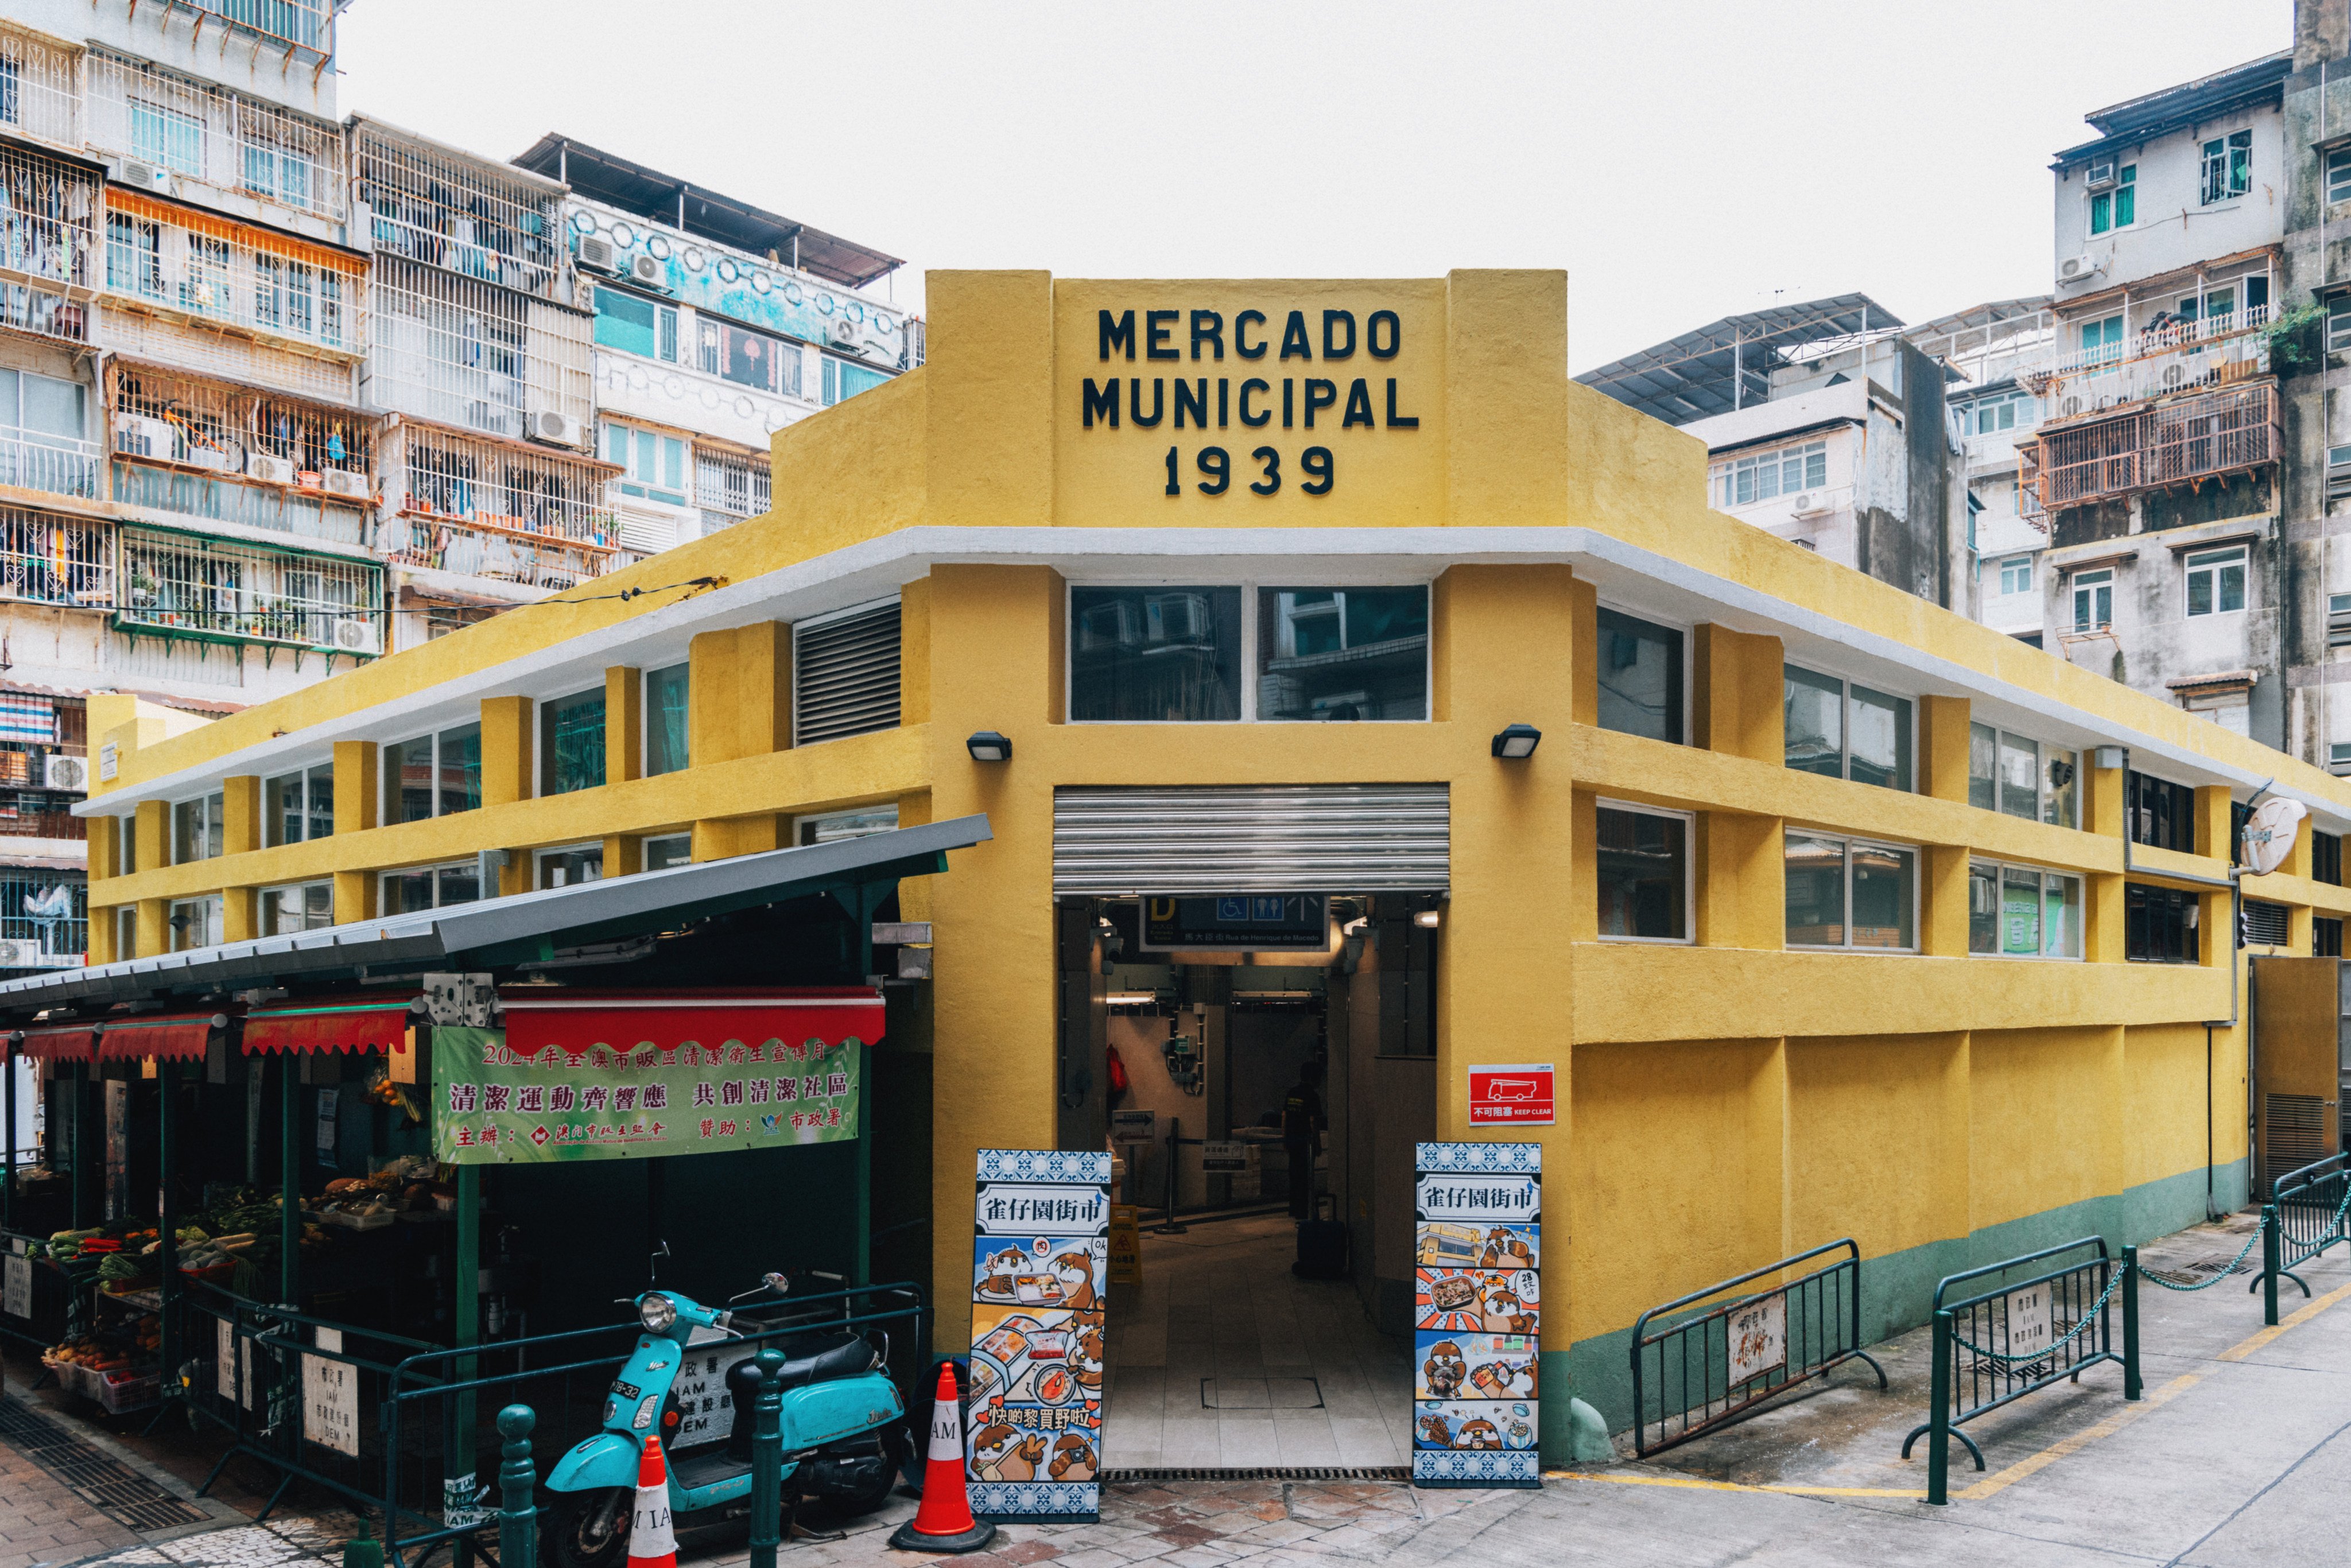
(1696, 375)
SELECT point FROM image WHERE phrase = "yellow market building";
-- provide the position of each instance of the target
(1137, 535)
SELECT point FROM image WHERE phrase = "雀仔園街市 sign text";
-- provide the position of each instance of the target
(491, 1104)
(1238, 400)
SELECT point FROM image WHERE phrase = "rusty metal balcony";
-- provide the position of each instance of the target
(2155, 446)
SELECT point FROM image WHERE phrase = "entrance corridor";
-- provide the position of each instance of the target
(1223, 1359)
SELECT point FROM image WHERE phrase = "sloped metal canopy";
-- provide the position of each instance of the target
(1696, 375)
(500, 932)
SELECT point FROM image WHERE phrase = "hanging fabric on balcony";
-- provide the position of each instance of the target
(26, 717)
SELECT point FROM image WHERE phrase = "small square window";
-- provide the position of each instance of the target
(1644, 873)
(2216, 582)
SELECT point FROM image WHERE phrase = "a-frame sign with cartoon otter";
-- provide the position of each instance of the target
(1476, 1245)
(1040, 1258)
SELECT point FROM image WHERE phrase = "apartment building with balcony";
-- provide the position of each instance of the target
(2155, 468)
(717, 323)
(1824, 427)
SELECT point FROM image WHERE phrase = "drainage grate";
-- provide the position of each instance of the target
(1266, 1473)
(2198, 1271)
(96, 1476)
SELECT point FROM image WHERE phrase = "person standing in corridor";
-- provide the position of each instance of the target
(1301, 1137)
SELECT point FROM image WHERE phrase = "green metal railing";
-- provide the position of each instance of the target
(2303, 1217)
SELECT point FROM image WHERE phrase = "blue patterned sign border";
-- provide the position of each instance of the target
(1477, 1159)
(1090, 1169)
(1479, 1468)
(1032, 1502)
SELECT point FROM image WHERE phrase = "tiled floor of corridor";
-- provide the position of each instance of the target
(1223, 1358)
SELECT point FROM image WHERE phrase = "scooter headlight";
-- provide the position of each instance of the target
(657, 1312)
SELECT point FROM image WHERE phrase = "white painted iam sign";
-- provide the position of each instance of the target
(330, 1398)
(1759, 1339)
(18, 1299)
(2028, 1321)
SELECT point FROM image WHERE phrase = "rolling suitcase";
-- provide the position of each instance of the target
(1322, 1243)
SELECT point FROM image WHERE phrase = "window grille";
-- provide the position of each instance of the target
(2266, 923)
(137, 335)
(845, 675)
(55, 561)
(469, 217)
(50, 907)
(460, 352)
(176, 259)
(220, 139)
(305, 24)
(48, 232)
(37, 93)
(187, 422)
(248, 594)
(489, 511)
(729, 486)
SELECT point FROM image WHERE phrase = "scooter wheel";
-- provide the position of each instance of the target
(875, 1493)
(587, 1528)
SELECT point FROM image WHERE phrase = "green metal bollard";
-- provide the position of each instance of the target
(518, 1510)
(768, 1461)
(1938, 1415)
(2271, 1263)
(2131, 1387)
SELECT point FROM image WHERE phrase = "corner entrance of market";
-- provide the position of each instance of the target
(342, 1212)
(1251, 1030)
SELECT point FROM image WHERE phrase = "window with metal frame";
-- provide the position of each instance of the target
(47, 905)
(568, 865)
(2326, 858)
(2325, 937)
(437, 775)
(1342, 653)
(471, 216)
(2216, 580)
(2023, 912)
(416, 889)
(2117, 208)
(1842, 730)
(2016, 575)
(269, 459)
(635, 325)
(49, 240)
(40, 91)
(1644, 870)
(729, 487)
(482, 508)
(199, 828)
(1763, 476)
(1640, 676)
(1164, 654)
(1993, 415)
(47, 559)
(2266, 923)
(229, 141)
(2160, 926)
(2228, 166)
(668, 850)
(179, 584)
(2093, 599)
(668, 741)
(2101, 340)
(572, 742)
(234, 273)
(467, 353)
(304, 906)
(845, 674)
(653, 463)
(843, 381)
(126, 933)
(831, 827)
(196, 923)
(298, 807)
(2021, 776)
(1851, 893)
(2160, 814)
(2338, 175)
(754, 359)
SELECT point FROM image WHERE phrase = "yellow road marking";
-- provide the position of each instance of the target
(2293, 1319)
(2016, 1472)
(1695, 1483)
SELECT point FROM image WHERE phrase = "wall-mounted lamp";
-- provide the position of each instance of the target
(1517, 741)
(2107, 757)
(989, 746)
(1427, 919)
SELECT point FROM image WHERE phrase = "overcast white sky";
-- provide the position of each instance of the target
(1683, 162)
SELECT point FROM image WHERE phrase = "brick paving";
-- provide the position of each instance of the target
(42, 1522)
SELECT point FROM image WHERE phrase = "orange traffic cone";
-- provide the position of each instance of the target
(653, 1543)
(943, 1522)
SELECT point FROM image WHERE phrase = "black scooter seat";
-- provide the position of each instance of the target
(811, 1359)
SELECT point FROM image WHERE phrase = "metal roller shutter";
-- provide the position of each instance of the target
(1304, 838)
(845, 675)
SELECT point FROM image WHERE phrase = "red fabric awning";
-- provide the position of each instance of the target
(61, 1042)
(167, 1037)
(581, 1020)
(327, 1025)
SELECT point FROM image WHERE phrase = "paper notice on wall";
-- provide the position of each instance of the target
(330, 1397)
(232, 1381)
(17, 1287)
(328, 1102)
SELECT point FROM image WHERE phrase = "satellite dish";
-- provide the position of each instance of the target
(2270, 834)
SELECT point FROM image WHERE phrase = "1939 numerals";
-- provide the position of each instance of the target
(1216, 466)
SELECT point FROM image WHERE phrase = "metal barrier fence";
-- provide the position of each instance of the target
(2023, 1335)
(57, 1305)
(2303, 1219)
(432, 1447)
(1718, 1365)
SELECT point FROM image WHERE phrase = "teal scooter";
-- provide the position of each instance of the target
(693, 1379)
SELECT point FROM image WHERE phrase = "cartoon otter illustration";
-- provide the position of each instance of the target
(1505, 1250)
(1501, 1310)
(1011, 1260)
(1521, 1435)
(1479, 1434)
(1090, 1361)
(1435, 1432)
(1443, 1369)
(1073, 1458)
(1001, 1453)
(1076, 1272)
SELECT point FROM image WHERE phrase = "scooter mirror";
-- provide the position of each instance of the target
(777, 1284)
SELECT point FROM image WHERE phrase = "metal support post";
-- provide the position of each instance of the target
(289, 1180)
(1938, 1414)
(2272, 1264)
(2131, 1386)
(8, 1060)
(517, 1511)
(768, 1461)
(466, 1330)
(167, 1216)
(86, 1172)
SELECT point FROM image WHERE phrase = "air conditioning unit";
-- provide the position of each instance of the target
(647, 530)
(1808, 503)
(272, 470)
(596, 254)
(2102, 175)
(211, 457)
(140, 174)
(557, 429)
(843, 331)
(70, 774)
(645, 269)
(20, 953)
(343, 482)
(355, 637)
(140, 437)
(2079, 268)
